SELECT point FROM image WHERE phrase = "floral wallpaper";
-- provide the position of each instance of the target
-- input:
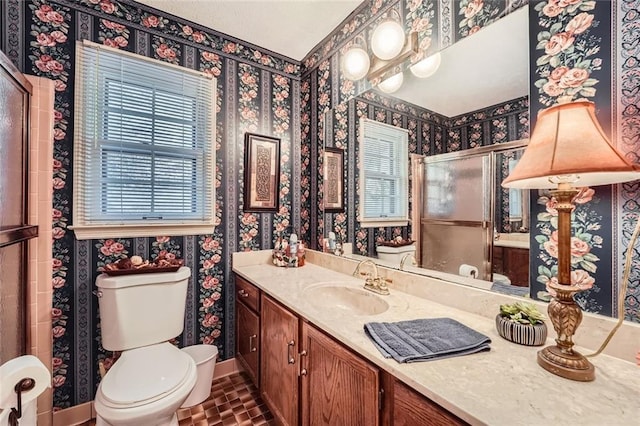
(569, 51)
(587, 246)
(473, 15)
(258, 91)
(574, 54)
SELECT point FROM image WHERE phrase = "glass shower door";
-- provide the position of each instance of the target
(455, 218)
(14, 230)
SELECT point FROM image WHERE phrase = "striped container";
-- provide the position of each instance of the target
(523, 334)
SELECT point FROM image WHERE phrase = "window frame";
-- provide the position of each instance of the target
(402, 178)
(87, 227)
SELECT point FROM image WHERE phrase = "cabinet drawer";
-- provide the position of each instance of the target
(248, 294)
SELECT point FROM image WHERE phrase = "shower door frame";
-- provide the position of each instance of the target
(20, 233)
(418, 177)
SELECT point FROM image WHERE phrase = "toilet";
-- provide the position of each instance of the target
(139, 313)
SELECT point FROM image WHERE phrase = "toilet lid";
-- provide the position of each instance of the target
(146, 374)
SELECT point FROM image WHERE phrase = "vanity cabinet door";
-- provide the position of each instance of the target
(248, 340)
(409, 408)
(248, 328)
(338, 387)
(279, 361)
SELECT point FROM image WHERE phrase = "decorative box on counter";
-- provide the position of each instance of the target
(289, 254)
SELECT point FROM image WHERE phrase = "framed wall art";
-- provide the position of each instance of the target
(261, 173)
(333, 180)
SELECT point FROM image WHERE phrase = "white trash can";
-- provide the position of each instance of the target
(205, 358)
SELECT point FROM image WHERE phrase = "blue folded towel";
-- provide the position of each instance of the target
(425, 339)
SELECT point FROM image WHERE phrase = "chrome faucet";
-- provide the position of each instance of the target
(404, 259)
(373, 283)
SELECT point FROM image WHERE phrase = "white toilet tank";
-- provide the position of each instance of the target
(141, 309)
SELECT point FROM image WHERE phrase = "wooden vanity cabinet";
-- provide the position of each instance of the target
(307, 378)
(248, 328)
(406, 407)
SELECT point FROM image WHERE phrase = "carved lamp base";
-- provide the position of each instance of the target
(572, 366)
(561, 359)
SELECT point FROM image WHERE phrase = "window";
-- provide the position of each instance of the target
(384, 186)
(144, 146)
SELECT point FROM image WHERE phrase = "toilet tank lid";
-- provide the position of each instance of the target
(122, 281)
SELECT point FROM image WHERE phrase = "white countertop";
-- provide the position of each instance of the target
(504, 386)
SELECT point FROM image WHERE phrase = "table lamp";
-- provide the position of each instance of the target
(568, 149)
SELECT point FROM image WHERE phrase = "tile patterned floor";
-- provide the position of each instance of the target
(234, 400)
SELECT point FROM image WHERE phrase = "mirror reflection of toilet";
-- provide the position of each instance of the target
(152, 378)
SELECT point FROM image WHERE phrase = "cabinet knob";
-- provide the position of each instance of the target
(303, 372)
(243, 293)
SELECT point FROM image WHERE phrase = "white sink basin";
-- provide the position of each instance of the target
(354, 300)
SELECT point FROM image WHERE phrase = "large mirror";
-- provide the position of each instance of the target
(477, 79)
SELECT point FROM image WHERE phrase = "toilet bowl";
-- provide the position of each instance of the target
(145, 387)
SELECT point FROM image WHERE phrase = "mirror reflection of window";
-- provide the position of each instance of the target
(515, 198)
(384, 160)
(439, 190)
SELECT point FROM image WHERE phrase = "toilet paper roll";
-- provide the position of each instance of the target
(468, 271)
(12, 371)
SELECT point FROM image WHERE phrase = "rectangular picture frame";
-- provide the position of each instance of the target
(261, 173)
(333, 180)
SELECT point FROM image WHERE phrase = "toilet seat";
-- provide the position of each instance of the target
(144, 375)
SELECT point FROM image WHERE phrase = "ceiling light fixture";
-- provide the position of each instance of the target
(390, 47)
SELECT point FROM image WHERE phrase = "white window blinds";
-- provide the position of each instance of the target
(384, 187)
(144, 143)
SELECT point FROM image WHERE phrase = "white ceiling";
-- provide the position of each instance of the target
(289, 27)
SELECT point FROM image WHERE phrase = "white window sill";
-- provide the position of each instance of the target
(140, 230)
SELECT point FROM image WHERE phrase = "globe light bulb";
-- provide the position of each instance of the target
(387, 40)
(355, 63)
(392, 83)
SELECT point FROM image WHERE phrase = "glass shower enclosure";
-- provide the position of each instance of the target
(14, 228)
